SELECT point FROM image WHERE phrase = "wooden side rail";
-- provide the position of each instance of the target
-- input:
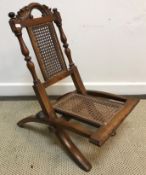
(104, 132)
(106, 95)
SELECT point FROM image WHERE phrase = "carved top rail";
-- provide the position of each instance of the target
(44, 39)
(46, 44)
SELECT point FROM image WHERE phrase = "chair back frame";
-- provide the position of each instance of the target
(24, 19)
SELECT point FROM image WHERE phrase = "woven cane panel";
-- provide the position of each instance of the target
(51, 56)
(99, 110)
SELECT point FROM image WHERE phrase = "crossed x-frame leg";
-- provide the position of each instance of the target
(64, 138)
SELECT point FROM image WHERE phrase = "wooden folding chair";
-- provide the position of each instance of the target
(103, 111)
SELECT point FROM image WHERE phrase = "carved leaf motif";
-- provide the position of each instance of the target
(25, 12)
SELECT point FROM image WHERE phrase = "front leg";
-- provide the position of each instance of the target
(72, 150)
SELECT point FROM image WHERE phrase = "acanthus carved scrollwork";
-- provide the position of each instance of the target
(25, 12)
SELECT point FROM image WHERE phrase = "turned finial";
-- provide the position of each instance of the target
(11, 15)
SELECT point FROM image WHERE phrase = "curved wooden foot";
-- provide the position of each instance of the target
(31, 119)
(73, 151)
(26, 120)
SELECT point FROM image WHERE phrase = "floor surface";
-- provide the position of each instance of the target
(34, 150)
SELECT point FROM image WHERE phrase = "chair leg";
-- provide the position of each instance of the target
(32, 118)
(73, 151)
(69, 146)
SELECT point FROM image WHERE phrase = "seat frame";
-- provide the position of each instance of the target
(48, 115)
